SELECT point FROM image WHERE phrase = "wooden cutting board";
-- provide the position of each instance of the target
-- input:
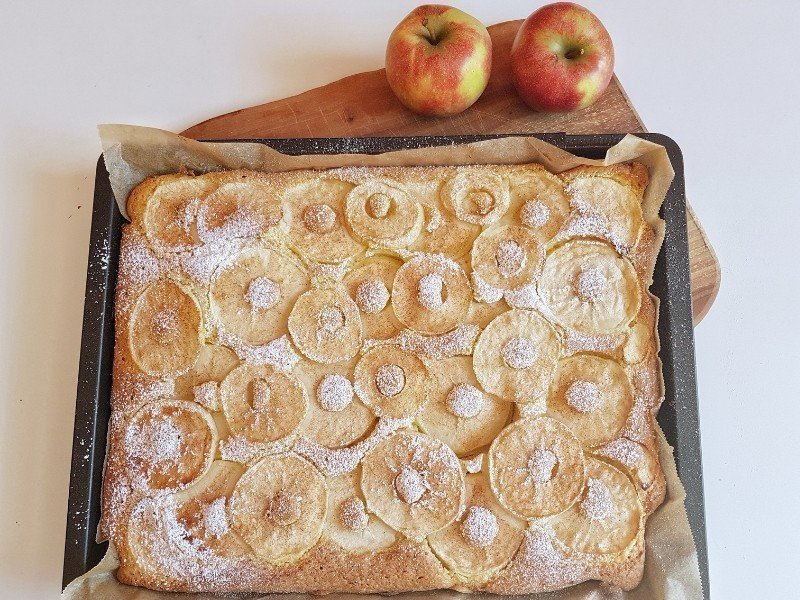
(363, 105)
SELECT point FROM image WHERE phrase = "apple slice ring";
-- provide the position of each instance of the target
(431, 294)
(262, 404)
(326, 326)
(413, 482)
(642, 466)
(476, 196)
(253, 294)
(278, 507)
(593, 396)
(348, 524)
(607, 517)
(164, 329)
(170, 443)
(392, 381)
(370, 286)
(243, 208)
(383, 214)
(336, 417)
(316, 215)
(459, 412)
(536, 468)
(201, 511)
(590, 288)
(166, 540)
(483, 538)
(169, 216)
(538, 200)
(616, 206)
(516, 356)
(507, 257)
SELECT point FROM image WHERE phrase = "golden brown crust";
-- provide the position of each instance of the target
(632, 175)
(209, 554)
(325, 569)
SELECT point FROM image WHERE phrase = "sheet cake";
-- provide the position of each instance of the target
(384, 380)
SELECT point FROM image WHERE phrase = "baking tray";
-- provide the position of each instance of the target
(678, 415)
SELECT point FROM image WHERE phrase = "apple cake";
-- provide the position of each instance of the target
(385, 380)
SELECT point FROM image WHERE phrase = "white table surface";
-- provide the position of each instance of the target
(721, 79)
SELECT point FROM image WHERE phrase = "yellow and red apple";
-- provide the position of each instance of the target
(562, 58)
(438, 60)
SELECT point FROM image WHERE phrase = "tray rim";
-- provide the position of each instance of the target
(678, 415)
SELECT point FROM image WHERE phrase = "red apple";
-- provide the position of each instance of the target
(562, 58)
(438, 60)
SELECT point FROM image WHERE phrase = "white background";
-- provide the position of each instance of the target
(719, 77)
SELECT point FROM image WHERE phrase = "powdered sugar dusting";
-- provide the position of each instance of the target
(597, 504)
(436, 220)
(277, 353)
(479, 526)
(353, 514)
(173, 550)
(145, 390)
(484, 292)
(262, 396)
(390, 380)
(185, 552)
(206, 394)
(541, 464)
(372, 296)
(526, 297)
(474, 464)
(429, 291)
(156, 441)
(334, 462)
(165, 323)
(334, 392)
(582, 342)
(538, 565)
(583, 396)
(640, 424)
(138, 262)
(409, 485)
(239, 449)
(439, 263)
(330, 323)
(321, 272)
(186, 215)
(285, 507)
(590, 283)
(242, 223)
(263, 293)
(458, 342)
(510, 258)
(518, 353)
(465, 401)
(589, 222)
(534, 213)
(203, 263)
(624, 451)
(319, 218)
(215, 519)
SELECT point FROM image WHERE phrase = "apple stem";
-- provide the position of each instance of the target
(573, 53)
(431, 34)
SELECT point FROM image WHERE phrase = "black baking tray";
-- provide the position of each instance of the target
(678, 415)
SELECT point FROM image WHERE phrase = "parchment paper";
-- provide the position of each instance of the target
(134, 153)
